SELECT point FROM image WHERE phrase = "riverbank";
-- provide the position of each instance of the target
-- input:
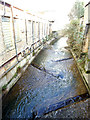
(17, 71)
(19, 68)
(85, 76)
(55, 84)
(78, 110)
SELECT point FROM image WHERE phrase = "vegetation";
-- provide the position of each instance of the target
(74, 31)
(14, 76)
(52, 35)
(18, 69)
(49, 37)
(75, 36)
(77, 10)
(33, 53)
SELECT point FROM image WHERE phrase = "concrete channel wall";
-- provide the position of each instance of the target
(12, 76)
(85, 72)
(87, 35)
(22, 36)
(19, 68)
(85, 76)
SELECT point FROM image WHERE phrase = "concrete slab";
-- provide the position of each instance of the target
(78, 110)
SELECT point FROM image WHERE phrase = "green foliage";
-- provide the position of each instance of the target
(77, 10)
(74, 32)
(33, 53)
(14, 76)
(44, 40)
(4, 87)
(18, 69)
(50, 36)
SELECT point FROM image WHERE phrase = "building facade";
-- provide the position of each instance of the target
(87, 36)
(21, 37)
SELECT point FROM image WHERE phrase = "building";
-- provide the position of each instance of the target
(87, 35)
(86, 46)
(21, 38)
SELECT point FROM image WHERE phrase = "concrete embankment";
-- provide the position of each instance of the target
(84, 74)
(51, 82)
(11, 76)
(78, 110)
(75, 111)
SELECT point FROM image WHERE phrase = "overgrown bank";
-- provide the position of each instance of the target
(76, 33)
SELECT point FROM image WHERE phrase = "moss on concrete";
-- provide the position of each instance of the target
(82, 70)
(14, 76)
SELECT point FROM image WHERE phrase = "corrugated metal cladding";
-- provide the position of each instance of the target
(17, 30)
(37, 29)
(22, 29)
(40, 30)
(29, 32)
(19, 26)
(7, 32)
(34, 29)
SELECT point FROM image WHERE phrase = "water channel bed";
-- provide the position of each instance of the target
(78, 111)
(52, 78)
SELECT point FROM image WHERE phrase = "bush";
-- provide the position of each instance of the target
(74, 32)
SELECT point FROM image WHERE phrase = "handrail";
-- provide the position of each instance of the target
(11, 59)
(35, 43)
(19, 54)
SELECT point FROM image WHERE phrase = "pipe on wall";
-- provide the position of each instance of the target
(14, 34)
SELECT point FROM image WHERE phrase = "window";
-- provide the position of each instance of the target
(7, 32)
(33, 30)
(37, 30)
(29, 28)
(17, 29)
(29, 31)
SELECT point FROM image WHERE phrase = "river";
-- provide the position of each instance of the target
(51, 78)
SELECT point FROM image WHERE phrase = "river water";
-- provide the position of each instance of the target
(52, 77)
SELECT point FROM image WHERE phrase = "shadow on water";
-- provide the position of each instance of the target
(46, 85)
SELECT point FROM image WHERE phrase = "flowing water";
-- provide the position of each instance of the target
(51, 78)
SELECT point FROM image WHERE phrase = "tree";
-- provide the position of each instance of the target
(74, 32)
(77, 10)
